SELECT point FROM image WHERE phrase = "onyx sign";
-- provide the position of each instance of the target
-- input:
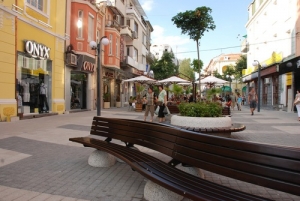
(37, 50)
(88, 66)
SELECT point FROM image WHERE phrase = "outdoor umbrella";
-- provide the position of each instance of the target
(211, 81)
(141, 79)
(173, 80)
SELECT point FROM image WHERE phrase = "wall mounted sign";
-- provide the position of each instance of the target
(88, 66)
(37, 50)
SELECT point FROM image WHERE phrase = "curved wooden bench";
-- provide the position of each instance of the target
(265, 165)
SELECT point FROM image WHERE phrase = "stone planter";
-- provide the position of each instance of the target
(118, 104)
(106, 105)
(201, 122)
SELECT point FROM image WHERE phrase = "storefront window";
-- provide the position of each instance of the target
(34, 84)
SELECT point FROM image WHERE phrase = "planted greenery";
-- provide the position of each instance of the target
(200, 109)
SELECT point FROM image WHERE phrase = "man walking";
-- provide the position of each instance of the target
(252, 100)
(149, 104)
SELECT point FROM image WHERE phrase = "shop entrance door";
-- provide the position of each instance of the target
(78, 90)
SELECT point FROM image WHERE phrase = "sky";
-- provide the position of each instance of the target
(230, 18)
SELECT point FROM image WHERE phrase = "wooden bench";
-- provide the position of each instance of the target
(226, 111)
(270, 166)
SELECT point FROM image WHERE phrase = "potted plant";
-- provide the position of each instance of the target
(139, 104)
(118, 101)
(106, 103)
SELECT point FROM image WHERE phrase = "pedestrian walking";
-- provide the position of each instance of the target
(149, 104)
(239, 102)
(252, 100)
(233, 101)
(162, 101)
(297, 103)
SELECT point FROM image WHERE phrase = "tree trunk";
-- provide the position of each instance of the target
(199, 66)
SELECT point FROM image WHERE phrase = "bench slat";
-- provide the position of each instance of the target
(167, 176)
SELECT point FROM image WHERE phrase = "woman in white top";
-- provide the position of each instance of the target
(162, 102)
(297, 104)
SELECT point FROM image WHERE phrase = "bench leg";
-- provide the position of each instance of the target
(153, 191)
(101, 159)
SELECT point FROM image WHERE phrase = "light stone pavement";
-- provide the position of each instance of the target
(38, 162)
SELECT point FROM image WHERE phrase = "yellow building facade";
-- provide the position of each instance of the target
(32, 42)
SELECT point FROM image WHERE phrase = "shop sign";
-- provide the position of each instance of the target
(109, 74)
(88, 66)
(37, 50)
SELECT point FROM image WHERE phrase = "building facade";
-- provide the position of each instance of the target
(219, 64)
(33, 57)
(273, 41)
(158, 50)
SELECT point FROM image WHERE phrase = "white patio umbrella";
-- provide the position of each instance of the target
(173, 80)
(141, 79)
(211, 80)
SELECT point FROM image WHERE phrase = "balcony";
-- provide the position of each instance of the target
(244, 46)
(113, 24)
(129, 61)
(126, 31)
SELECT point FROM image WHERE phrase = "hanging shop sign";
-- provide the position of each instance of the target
(88, 66)
(37, 50)
(109, 74)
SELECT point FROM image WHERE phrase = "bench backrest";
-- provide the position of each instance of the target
(155, 136)
(270, 166)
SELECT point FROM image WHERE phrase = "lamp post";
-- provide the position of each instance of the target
(230, 77)
(98, 47)
(256, 63)
(149, 74)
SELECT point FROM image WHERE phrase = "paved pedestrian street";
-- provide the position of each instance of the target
(38, 162)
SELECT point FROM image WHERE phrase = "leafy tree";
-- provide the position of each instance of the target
(217, 74)
(165, 67)
(195, 23)
(240, 65)
(185, 70)
(195, 65)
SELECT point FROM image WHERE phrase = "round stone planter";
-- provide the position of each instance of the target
(201, 122)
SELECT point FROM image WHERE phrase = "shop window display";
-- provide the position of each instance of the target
(34, 84)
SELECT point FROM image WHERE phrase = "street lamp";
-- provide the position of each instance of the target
(256, 63)
(230, 77)
(149, 74)
(98, 47)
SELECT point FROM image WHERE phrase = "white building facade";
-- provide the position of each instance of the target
(272, 30)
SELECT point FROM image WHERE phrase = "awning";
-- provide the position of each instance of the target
(244, 88)
(226, 89)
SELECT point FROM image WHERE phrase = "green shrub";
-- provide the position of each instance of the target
(200, 109)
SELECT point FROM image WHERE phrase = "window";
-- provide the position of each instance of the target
(91, 27)
(136, 27)
(128, 23)
(144, 59)
(117, 47)
(80, 17)
(110, 44)
(127, 51)
(144, 39)
(38, 4)
(135, 54)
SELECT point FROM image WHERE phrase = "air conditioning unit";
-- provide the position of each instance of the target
(267, 80)
(71, 59)
(134, 35)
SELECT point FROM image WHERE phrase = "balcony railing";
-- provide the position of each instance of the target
(125, 30)
(112, 24)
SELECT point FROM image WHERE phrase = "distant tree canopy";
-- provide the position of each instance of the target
(185, 70)
(195, 65)
(164, 67)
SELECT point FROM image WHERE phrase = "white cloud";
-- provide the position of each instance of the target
(147, 4)
(178, 43)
